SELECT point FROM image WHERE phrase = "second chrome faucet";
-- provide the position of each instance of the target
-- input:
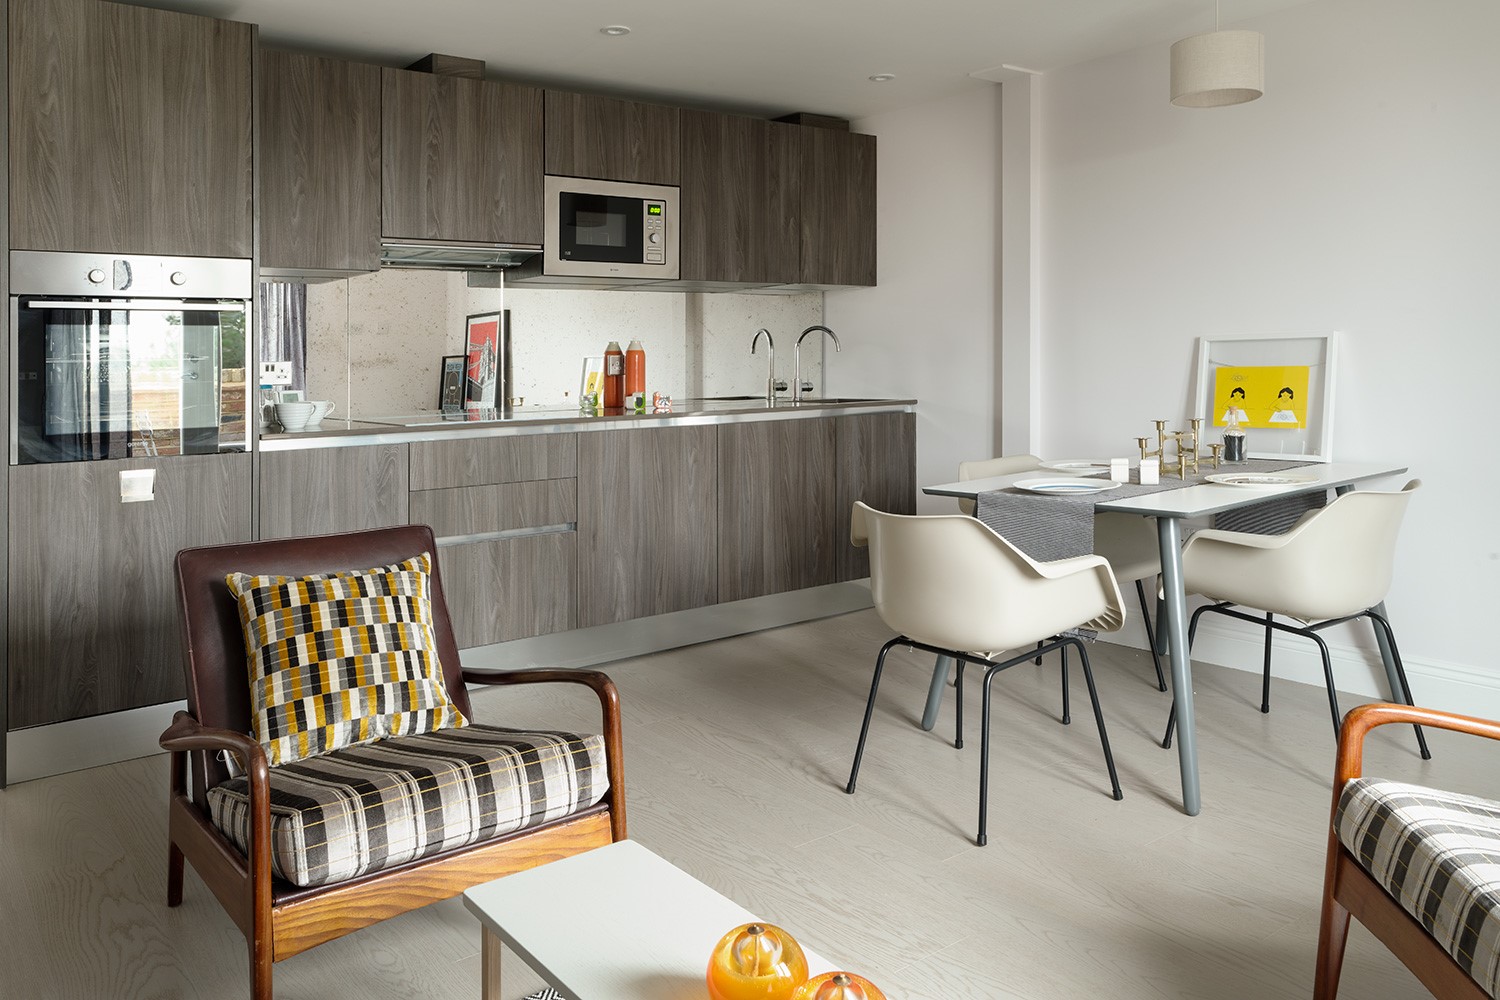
(797, 387)
(772, 385)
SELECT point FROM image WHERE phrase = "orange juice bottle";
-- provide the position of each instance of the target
(635, 369)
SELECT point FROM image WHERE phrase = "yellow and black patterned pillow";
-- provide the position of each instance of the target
(339, 659)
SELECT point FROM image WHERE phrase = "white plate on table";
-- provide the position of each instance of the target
(1065, 487)
(1260, 479)
(1076, 467)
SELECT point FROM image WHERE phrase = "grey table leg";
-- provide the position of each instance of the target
(1169, 537)
(935, 691)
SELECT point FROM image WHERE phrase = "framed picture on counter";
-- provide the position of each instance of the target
(451, 386)
(487, 351)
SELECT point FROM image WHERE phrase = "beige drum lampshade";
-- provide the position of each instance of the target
(1218, 68)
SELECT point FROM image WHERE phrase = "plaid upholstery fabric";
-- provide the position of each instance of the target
(1438, 854)
(364, 808)
(344, 658)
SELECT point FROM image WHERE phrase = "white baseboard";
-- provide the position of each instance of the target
(1455, 687)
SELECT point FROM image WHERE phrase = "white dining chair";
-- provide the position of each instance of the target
(1333, 566)
(949, 585)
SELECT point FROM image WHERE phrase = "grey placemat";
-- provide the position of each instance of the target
(1059, 526)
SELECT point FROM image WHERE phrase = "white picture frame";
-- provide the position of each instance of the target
(1312, 440)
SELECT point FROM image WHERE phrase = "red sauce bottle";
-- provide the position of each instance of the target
(614, 375)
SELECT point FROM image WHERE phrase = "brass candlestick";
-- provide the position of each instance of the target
(1187, 445)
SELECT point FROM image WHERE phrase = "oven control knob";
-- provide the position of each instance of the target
(96, 276)
(178, 278)
(654, 237)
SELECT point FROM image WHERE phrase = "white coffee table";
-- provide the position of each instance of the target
(614, 923)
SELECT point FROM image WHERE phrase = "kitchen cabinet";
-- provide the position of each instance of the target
(130, 130)
(875, 461)
(92, 602)
(611, 139)
(777, 521)
(837, 207)
(320, 491)
(462, 159)
(319, 164)
(510, 588)
(740, 200)
(648, 522)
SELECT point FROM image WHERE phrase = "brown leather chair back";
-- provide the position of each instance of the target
(213, 646)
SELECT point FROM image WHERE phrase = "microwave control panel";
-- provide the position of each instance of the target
(655, 221)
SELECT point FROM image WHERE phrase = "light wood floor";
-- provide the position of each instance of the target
(737, 753)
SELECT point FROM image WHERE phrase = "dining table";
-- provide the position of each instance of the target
(1170, 507)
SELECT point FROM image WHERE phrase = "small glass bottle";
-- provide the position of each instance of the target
(1234, 440)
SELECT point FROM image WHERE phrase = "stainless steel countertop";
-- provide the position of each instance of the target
(436, 426)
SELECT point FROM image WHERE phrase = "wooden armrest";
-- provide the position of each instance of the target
(187, 733)
(1361, 720)
(609, 704)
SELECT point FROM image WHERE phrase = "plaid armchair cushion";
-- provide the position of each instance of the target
(364, 808)
(1438, 854)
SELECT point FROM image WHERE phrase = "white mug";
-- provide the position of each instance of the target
(321, 409)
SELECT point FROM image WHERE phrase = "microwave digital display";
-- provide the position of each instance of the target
(653, 210)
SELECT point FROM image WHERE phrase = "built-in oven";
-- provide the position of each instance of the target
(610, 229)
(121, 357)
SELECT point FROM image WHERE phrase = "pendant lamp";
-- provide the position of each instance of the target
(1218, 68)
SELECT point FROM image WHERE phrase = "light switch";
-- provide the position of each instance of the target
(137, 485)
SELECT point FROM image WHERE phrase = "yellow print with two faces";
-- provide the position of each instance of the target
(1261, 396)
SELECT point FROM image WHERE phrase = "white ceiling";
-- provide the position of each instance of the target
(758, 56)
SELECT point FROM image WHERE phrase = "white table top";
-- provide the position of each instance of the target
(1195, 501)
(614, 923)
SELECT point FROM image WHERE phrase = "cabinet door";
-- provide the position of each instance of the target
(739, 199)
(838, 207)
(130, 130)
(611, 139)
(462, 159)
(648, 522)
(876, 457)
(319, 163)
(776, 507)
(321, 491)
(92, 601)
(509, 588)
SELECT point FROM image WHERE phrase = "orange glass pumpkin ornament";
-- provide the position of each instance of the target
(756, 962)
(838, 986)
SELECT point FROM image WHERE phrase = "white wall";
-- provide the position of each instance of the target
(929, 330)
(1357, 195)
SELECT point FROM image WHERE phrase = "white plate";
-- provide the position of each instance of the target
(1076, 467)
(1064, 487)
(1253, 479)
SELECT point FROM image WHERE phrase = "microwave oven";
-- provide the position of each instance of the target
(610, 229)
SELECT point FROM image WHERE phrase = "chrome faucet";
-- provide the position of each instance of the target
(797, 386)
(771, 384)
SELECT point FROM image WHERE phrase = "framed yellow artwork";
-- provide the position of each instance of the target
(1279, 389)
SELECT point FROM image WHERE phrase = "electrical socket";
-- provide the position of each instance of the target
(274, 373)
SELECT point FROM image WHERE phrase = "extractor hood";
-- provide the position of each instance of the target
(455, 256)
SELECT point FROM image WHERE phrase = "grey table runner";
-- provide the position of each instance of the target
(1052, 526)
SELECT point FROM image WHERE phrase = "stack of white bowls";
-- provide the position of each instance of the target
(293, 416)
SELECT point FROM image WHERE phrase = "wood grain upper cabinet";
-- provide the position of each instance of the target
(739, 199)
(837, 180)
(319, 164)
(876, 461)
(129, 130)
(462, 159)
(611, 139)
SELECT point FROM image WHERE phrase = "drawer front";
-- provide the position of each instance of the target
(509, 588)
(440, 465)
(477, 510)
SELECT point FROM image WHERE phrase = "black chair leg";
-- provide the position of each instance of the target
(958, 711)
(1161, 678)
(1109, 758)
(864, 730)
(1265, 683)
(1405, 691)
(984, 760)
(1333, 695)
(1067, 718)
(1039, 659)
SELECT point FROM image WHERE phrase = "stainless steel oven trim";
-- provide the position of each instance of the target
(137, 305)
(552, 264)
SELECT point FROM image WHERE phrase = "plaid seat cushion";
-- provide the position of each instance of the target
(1438, 854)
(364, 808)
(342, 658)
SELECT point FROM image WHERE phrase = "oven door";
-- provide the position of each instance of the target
(96, 378)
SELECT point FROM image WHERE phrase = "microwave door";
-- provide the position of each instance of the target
(599, 227)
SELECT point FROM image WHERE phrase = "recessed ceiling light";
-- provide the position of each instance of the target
(883, 77)
(614, 30)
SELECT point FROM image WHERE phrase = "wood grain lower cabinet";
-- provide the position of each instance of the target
(648, 522)
(510, 588)
(876, 460)
(476, 510)
(440, 465)
(321, 491)
(92, 601)
(777, 520)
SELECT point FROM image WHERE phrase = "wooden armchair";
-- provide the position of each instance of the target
(280, 919)
(1423, 871)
